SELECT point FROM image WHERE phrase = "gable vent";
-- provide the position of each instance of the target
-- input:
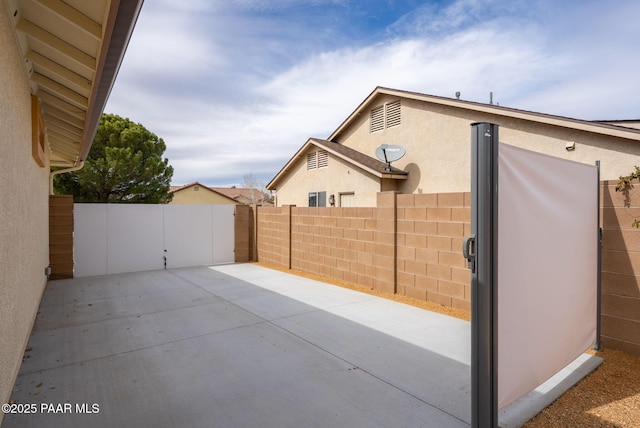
(377, 119)
(318, 159)
(385, 116)
(323, 158)
(393, 114)
(311, 160)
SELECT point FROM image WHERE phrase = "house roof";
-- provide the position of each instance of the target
(173, 189)
(566, 122)
(72, 52)
(628, 123)
(241, 194)
(359, 159)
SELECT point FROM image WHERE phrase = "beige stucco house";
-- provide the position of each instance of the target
(435, 131)
(58, 62)
(196, 193)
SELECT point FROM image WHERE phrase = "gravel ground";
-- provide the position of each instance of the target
(608, 397)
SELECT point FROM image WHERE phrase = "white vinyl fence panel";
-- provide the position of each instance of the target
(89, 239)
(198, 234)
(117, 238)
(134, 237)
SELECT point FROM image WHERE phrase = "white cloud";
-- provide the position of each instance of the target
(232, 90)
(319, 93)
(168, 44)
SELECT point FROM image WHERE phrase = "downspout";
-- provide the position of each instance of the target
(76, 167)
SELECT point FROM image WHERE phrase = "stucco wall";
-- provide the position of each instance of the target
(24, 238)
(337, 177)
(201, 196)
(437, 139)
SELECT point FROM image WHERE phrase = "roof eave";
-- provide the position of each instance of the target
(272, 184)
(394, 176)
(397, 175)
(123, 15)
(377, 173)
(566, 122)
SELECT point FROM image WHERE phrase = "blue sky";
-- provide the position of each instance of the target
(235, 87)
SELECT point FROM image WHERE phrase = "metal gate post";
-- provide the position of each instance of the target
(598, 344)
(484, 265)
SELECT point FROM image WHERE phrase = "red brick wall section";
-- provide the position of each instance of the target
(620, 269)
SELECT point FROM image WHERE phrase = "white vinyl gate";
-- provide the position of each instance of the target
(117, 238)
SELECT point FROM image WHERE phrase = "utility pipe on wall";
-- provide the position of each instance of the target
(77, 166)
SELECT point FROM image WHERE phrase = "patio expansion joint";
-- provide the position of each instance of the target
(115, 317)
(369, 373)
(141, 348)
(272, 322)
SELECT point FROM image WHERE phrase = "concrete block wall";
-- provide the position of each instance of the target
(411, 244)
(620, 268)
(273, 235)
(244, 232)
(430, 231)
(61, 236)
(336, 243)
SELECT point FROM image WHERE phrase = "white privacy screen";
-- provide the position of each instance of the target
(547, 267)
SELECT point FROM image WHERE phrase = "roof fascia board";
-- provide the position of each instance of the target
(122, 18)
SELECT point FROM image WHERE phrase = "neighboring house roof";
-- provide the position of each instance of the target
(623, 123)
(244, 195)
(240, 195)
(584, 125)
(359, 159)
(173, 189)
(72, 55)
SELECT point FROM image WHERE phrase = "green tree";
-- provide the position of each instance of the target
(124, 165)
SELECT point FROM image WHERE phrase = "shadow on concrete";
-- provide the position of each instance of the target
(208, 347)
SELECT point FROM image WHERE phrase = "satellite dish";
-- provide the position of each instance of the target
(390, 153)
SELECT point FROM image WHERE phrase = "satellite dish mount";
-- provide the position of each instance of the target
(389, 153)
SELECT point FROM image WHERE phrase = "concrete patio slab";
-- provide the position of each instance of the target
(240, 346)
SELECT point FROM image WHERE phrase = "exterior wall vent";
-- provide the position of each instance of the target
(377, 119)
(311, 160)
(393, 114)
(385, 116)
(318, 159)
(323, 158)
